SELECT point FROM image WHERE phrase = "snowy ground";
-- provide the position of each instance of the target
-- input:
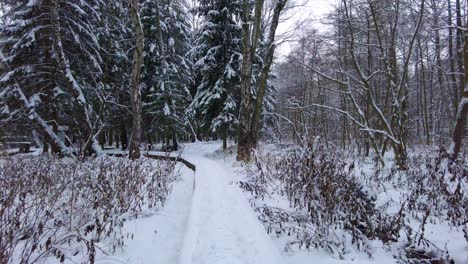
(222, 227)
(158, 238)
(208, 220)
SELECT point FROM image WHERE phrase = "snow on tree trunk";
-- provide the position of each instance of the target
(249, 45)
(459, 130)
(268, 60)
(135, 93)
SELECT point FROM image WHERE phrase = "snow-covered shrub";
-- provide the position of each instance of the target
(330, 207)
(439, 187)
(437, 193)
(334, 202)
(69, 209)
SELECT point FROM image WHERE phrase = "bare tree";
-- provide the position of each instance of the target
(268, 60)
(458, 132)
(250, 38)
(250, 110)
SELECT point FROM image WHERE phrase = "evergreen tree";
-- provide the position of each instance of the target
(52, 74)
(114, 37)
(167, 71)
(217, 48)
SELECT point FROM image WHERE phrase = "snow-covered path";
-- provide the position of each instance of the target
(222, 227)
(206, 220)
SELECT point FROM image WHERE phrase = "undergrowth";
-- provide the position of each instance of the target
(332, 207)
(69, 209)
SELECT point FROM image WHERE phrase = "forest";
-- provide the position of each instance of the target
(337, 138)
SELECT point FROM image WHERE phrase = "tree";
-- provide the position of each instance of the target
(167, 71)
(383, 122)
(458, 132)
(250, 38)
(53, 69)
(265, 73)
(135, 92)
(217, 50)
(115, 36)
(249, 123)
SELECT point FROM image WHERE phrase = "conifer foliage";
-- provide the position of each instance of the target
(217, 51)
(167, 71)
(67, 80)
(52, 69)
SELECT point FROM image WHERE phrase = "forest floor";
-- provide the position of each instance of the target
(208, 219)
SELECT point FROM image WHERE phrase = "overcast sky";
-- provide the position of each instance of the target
(312, 9)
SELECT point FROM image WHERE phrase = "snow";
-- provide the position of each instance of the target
(159, 237)
(32, 3)
(152, 47)
(208, 219)
(222, 226)
(7, 76)
(166, 110)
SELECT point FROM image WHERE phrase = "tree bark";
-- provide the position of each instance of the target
(175, 143)
(458, 132)
(424, 95)
(268, 60)
(453, 78)
(111, 136)
(135, 93)
(123, 136)
(459, 43)
(225, 135)
(249, 45)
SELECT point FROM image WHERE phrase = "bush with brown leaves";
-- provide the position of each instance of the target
(65, 208)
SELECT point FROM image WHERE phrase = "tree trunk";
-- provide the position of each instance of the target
(424, 94)
(123, 136)
(453, 78)
(45, 146)
(102, 139)
(175, 144)
(248, 51)
(255, 125)
(117, 138)
(111, 136)
(225, 135)
(458, 132)
(135, 93)
(55, 148)
(460, 32)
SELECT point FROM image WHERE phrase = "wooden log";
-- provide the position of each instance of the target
(160, 157)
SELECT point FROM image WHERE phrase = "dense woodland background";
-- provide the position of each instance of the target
(383, 76)
(352, 144)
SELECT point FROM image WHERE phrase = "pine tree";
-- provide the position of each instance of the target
(114, 35)
(217, 48)
(53, 68)
(167, 72)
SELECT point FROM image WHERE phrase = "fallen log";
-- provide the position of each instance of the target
(160, 157)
